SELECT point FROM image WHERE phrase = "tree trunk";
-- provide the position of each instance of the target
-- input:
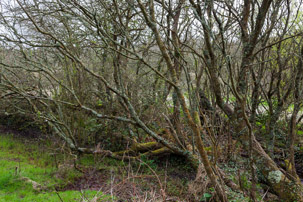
(285, 188)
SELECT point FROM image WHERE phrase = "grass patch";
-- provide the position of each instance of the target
(19, 159)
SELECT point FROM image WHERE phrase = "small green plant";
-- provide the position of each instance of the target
(151, 163)
(206, 197)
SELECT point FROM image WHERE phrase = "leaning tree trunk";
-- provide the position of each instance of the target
(285, 188)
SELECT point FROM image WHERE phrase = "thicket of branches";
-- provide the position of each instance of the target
(180, 76)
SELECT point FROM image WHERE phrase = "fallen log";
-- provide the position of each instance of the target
(140, 147)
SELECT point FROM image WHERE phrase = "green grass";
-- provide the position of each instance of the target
(19, 159)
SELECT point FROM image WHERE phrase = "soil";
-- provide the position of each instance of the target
(107, 183)
(91, 179)
(181, 169)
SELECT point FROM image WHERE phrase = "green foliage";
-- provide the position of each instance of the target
(91, 125)
(146, 161)
(245, 182)
(22, 123)
(206, 197)
(90, 160)
(99, 103)
(262, 119)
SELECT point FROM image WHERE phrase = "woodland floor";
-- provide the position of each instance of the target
(28, 154)
(28, 157)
